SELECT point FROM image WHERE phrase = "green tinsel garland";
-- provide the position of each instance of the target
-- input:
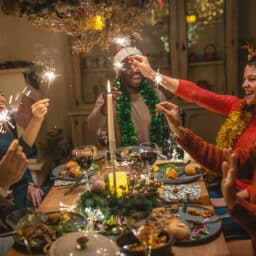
(127, 128)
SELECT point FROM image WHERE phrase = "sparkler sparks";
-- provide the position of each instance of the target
(158, 79)
(7, 113)
(118, 65)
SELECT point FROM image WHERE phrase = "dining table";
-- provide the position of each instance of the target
(215, 247)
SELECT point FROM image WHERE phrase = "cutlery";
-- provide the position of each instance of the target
(81, 180)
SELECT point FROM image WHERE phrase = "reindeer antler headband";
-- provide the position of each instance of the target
(251, 51)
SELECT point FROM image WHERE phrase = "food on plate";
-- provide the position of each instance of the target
(174, 208)
(72, 164)
(125, 152)
(57, 217)
(72, 169)
(193, 211)
(207, 214)
(175, 190)
(75, 172)
(42, 229)
(171, 174)
(192, 169)
(163, 219)
(178, 229)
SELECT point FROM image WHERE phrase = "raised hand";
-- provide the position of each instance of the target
(40, 108)
(141, 62)
(12, 165)
(171, 113)
(229, 170)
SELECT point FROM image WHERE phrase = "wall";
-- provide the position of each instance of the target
(19, 40)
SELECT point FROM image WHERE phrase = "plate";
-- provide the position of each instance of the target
(181, 178)
(58, 169)
(57, 222)
(213, 228)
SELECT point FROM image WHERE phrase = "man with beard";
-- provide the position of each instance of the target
(134, 105)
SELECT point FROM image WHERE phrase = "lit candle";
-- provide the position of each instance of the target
(111, 132)
(111, 129)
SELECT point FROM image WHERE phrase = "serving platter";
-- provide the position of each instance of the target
(181, 177)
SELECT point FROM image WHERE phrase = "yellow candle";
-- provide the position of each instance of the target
(121, 183)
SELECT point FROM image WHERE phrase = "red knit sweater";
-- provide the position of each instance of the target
(222, 104)
(211, 157)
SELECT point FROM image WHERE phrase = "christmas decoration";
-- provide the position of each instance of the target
(124, 114)
(90, 22)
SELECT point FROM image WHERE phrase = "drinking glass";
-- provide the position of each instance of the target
(102, 136)
(84, 156)
(148, 154)
(146, 235)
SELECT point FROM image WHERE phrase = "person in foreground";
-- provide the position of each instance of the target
(25, 193)
(244, 211)
(211, 157)
(12, 166)
(134, 105)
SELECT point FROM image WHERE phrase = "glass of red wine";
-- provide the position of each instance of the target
(84, 157)
(102, 136)
(148, 154)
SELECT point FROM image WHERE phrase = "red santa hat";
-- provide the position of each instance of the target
(120, 55)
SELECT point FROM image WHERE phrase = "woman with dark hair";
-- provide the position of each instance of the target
(24, 192)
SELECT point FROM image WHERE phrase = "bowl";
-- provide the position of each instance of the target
(128, 238)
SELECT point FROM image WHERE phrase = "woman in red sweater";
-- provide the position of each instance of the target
(239, 129)
(243, 209)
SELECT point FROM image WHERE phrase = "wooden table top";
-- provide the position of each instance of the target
(216, 247)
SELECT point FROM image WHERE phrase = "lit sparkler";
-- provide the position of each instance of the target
(158, 79)
(7, 114)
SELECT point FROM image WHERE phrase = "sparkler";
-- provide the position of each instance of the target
(158, 79)
(6, 114)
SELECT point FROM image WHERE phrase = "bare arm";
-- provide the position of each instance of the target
(142, 63)
(39, 110)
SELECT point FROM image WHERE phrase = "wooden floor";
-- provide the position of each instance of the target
(240, 247)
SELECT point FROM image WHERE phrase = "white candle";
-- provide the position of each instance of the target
(111, 127)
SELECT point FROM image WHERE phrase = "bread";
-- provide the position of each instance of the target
(72, 164)
(192, 168)
(95, 151)
(178, 229)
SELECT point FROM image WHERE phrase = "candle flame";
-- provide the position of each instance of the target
(108, 87)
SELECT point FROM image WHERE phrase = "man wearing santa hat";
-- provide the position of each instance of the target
(134, 100)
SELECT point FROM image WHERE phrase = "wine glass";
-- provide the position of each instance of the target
(84, 156)
(148, 154)
(102, 135)
(146, 235)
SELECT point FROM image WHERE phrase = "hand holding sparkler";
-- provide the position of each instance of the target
(40, 108)
(141, 62)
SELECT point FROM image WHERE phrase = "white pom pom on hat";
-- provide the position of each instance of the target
(123, 53)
